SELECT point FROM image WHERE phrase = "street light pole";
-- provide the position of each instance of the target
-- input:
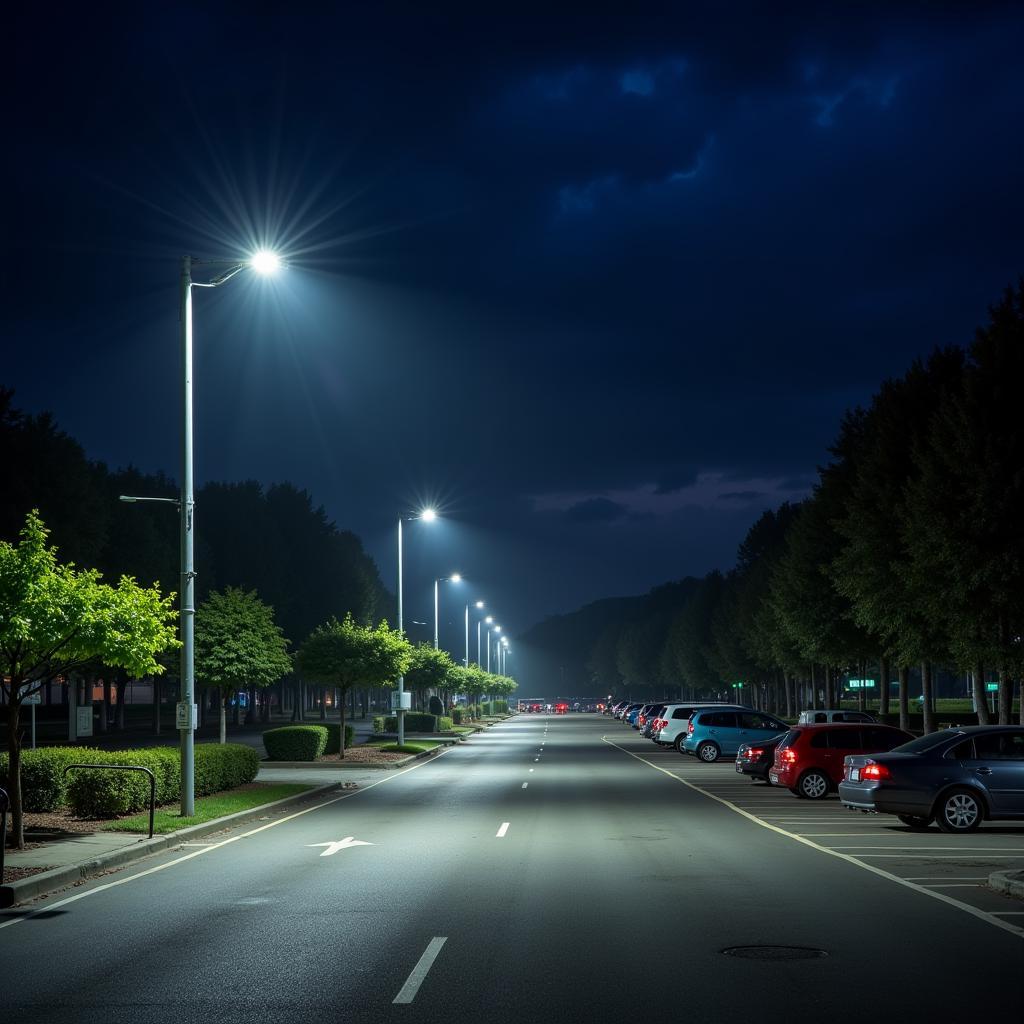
(188, 576)
(465, 660)
(400, 711)
(454, 578)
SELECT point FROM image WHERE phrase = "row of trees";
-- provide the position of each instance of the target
(909, 553)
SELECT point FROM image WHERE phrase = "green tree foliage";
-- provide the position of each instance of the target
(690, 639)
(430, 669)
(238, 644)
(55, 619)
(344, 654)
(962, 529)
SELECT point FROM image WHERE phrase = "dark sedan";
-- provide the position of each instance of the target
(956, 777)
(756, 759)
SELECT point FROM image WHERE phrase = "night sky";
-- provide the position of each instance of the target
(599, 287)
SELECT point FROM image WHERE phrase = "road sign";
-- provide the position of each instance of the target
(182, 718)
(83, 721)
(862, 684)
(401, 701)
(32, 698)
(340, 844)
(992, 687)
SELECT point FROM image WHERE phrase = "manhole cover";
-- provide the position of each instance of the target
(774, 952)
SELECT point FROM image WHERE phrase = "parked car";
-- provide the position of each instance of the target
(646, 714)
(824, 717)
(675, 720)
(756, 759)
(711, 733)
(632, 714)
(809, 759)
(957, 778)
(653, 716)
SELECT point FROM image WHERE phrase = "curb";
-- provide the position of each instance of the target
(356, 766)
(1009, 883)
(59, 878)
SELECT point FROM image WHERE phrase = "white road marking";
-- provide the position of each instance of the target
(525, 784)
(339, 844)
(1009, 913)
(407, 993)
(828, 851)
(937, 849)
(952, 885)
(531, 769)
(46, 907)
(950, 878)
(536, 759)
(503, 830)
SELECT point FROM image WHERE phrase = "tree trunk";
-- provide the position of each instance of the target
(1005, 696)
(814, 689)
(105, 710)
(827, 687)
(862, 694)
(237, 709)
(979, 694)
(122, 694)
(883, 682)
(928, 704)
(17, 836)
(322, 691)
(341, 727)
(904, 697)
(787, 686)
(222, 700)
(156, 705)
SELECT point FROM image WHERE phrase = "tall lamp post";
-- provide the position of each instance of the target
(454, 578)
(494, 629)
(266, 263)
(488, 619)
(428, 515)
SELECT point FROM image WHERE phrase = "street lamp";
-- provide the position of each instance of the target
(479, 604)
(495, 629)
(454, 578)
(428, 515)
(263, 262)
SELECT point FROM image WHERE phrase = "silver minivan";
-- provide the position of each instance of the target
(829, 715)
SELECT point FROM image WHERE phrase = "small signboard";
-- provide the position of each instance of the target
(83, 721)
(862, 684)
(182, 718)
(33, 698)
(401, 701)
(992, 687)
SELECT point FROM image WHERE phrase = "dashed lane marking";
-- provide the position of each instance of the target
(503, 830)
(407, 993)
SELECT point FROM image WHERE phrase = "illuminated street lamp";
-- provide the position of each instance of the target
(454, 578)
(264, 262)
(479, 604)
(428, 515)
(493, 629)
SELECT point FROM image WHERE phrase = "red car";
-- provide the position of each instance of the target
(561, 709)
(809, 759)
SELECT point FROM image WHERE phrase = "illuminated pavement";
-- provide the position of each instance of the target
(535, 873)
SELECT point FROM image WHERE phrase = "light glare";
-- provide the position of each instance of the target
(428, 515)
(456, 577)
(265, 262)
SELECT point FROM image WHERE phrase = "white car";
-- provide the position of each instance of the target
(828, 715)
(676, 718)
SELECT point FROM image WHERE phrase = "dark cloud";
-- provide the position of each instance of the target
(596, 510)
(742, 495)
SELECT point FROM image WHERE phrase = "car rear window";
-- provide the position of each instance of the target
(682, 712)
(790, 738)
(927, 742)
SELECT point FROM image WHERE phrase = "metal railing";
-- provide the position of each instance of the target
(128, 768)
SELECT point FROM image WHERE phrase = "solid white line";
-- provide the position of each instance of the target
(503, 829)
(1009, 913)
(951, 878)
(942, 897)
(937, 849)
(407, 993)
(215, 846)
(951, 885)
(525, 784)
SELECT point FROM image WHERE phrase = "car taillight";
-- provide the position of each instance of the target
(689, 729)
(875, 771)
(755, 752)
(787, 756)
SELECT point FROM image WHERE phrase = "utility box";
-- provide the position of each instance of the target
(186, 716)
(401, 701)
(83, 721)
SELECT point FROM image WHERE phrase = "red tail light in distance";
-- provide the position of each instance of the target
(875, 772)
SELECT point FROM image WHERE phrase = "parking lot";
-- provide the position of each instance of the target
(954, 868)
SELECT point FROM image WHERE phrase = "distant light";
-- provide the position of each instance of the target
(497, 629)
(265, 262)
(428, 515)
(479, 604)
(489, 619)
(455, 577)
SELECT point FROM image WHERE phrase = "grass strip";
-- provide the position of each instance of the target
(168, 819)
(418, 747)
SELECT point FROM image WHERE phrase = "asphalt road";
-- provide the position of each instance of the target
(538, 872)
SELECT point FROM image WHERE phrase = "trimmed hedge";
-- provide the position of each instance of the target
(456, 716)
(436, 705)
(500, 707)
(103, 794)
(295, 742)
(415, 721)
(444, 723)
(43, 782)
(380, 724)
(333, 732)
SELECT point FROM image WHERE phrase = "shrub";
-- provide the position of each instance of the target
(444, 723)
(95, 793)
(500, 707)
(435, 705)
(333, 732)
(415, 721)
(224, 766)
(43, 782)
(380, 724)
(456, 716)
(295, 742)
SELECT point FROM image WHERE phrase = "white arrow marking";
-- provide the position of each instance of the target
(503, 830)
(340, 844)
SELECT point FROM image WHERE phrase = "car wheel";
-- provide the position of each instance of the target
(708, 752)
(813, 785)
(679, 744)
(915, 821)
(960, 810)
